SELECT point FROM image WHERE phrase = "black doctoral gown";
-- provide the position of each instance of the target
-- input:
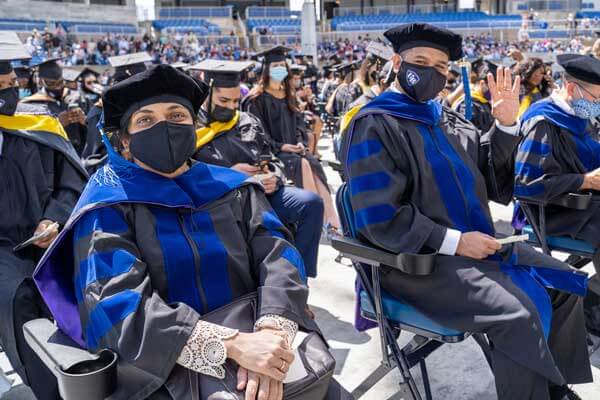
(482, 113)
(40, 178)
(417, 170)
(556, 152)
(77, 133)
(284, 126)
(94, 153)
(246, 142)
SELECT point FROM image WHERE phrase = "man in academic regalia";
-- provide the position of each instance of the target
(481, 109)
(557, 155)
(560, 154)
(237, 140)
(40, 181)
(420, 178)
(94, 152)
(61, 102)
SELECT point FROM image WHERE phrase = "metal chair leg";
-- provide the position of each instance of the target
(426, 383)
(485, 346)
(370, 381)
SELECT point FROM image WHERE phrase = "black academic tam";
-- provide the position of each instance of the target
(161, 83)
(408, 36)
(584, 68)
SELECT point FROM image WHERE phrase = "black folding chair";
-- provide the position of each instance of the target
(391, 314)
(580, 252)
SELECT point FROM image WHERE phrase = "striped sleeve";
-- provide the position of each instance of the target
(278, 266)
(118, 307)
(379, 184)
(538, 173)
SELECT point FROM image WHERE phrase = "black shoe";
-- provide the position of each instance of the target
(563, 393)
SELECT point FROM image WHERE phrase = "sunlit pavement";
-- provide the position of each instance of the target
(456, 371)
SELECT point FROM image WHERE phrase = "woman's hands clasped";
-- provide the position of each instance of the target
(264, 358)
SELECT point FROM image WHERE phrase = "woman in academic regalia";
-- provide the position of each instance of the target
(532, 72)
(157, 241)
(274, 102)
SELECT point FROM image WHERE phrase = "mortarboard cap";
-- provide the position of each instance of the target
(275, 54)
(11, 49)
(22, 71)
(223, 74)
(380, 50)
(161, 83)
(129, 65)
(74, 73)
(180, 65)
(70, 75)
(50, 69)
(409, 36)
(297, 69)
(584, 68)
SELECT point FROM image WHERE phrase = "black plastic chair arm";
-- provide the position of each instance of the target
(575, 201)
(414, 264)
(335, 165)
(80, 374)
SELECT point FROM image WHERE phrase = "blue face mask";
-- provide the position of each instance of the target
(24, 93)
(585, 109)
(278, 73)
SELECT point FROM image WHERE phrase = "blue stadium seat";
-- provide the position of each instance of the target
(457, 20)
(196, 25)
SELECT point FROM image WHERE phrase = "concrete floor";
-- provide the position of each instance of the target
(456, 372)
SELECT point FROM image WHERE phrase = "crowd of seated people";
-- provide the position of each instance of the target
(174, 191)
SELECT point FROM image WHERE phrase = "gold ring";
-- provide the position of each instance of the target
(283, 365)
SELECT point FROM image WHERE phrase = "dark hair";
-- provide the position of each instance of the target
(290, 92)
(527, 68)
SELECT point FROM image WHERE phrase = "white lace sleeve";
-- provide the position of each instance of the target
(278, 322)
(205, 351)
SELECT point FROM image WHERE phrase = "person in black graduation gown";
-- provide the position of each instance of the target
(94, 153)
(274, 102)
(40, 182)
(481, 108)
(559, 155)
(55, 98)
(420, 177)
(237, 140)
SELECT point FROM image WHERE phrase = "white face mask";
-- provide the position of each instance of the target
(278, 73)
(584, 108)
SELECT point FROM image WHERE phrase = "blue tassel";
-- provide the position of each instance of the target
(467, 86)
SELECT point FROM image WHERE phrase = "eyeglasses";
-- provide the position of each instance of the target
(596, 99)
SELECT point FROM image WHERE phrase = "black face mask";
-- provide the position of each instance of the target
(165, 146)
(222, 114)
(55, 94)
(419, 82)
(9, 98)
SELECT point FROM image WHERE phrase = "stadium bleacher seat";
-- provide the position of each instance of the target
(195, 12)
(23, 25)
(196, 25)
(276, 20)
(452, 20)
(192, 19)
(588, 14)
